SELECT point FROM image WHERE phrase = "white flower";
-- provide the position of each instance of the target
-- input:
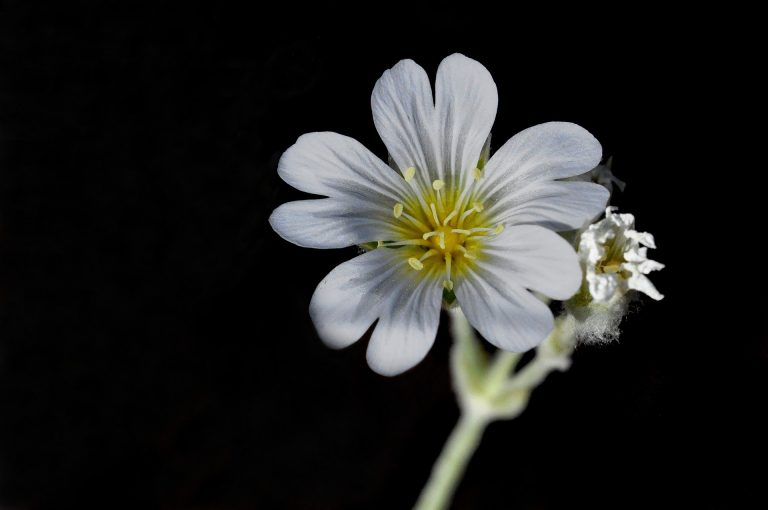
(448, 221)
(615, 258)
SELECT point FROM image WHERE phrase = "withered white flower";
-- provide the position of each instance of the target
(615, 258)
(449, 221)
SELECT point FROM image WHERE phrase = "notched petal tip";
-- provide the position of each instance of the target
(407, 327)
(345, 304)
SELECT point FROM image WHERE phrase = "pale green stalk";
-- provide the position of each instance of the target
(452, 462)
(487, 391)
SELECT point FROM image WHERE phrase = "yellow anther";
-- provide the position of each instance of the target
(409, 173)
(379, 244)
(415, 263)
(428, 235)
(461, 231)
(437, 185)
(477, 173)
(442, 239)
(477, 206)
(498, 230)
(398, 210)
(447, 284)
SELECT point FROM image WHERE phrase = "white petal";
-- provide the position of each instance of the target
(647, 266)
(408, 324)
(535, 258)
(602, 286)
(643, 238)
(552, 204)
(465, 102)
(329, 223)
(337, 166)
(349, 299)
(554, 150)
(638, 281)
(506, 314)
(404, 115)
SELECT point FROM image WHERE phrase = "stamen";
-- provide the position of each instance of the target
(450, 217)
(442, 239)
(428, 254)
(416, 222)
(409, 242)
(498, 229)
(398, 209)
(448, 258)
(437, 185)
(461, 231)
(434, 215)
(379, 244)
(477, 174)
(465, 252)
(460, 205)
(447, 284)
(408, 175)
(428, 235)
(415, 263)
(476, 207)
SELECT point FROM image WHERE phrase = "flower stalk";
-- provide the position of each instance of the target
(452, 462)
(488, 390)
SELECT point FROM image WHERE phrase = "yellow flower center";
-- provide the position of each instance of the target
(440, 228)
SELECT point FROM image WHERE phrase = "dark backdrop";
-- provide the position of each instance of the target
(155, 345)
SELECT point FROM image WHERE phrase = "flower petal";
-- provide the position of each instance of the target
(330, 223)
(349, 299)
(465, 102)
(404, 115)
(535, 258)
(602, 286)
(552, 204)
(340, 167)
(408, 324)
(643, 284)
(507, 315)
(550, 151)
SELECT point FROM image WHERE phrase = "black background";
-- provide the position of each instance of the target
(156, 350)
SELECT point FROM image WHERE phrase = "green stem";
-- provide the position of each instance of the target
(487, 391)
(500, 370)
(452, 462)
